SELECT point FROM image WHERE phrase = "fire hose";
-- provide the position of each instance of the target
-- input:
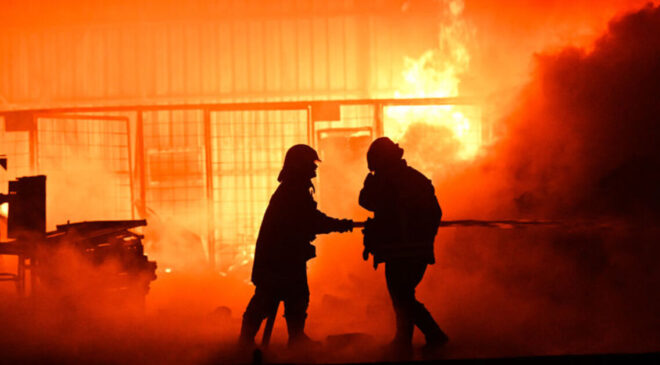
(501, 224)
(510, 223)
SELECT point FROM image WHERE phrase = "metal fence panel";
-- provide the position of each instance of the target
(175, 167)
(248, 149)
(87, 164)
(16, 147)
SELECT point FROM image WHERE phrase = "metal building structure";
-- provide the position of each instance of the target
(220, 159)
(109, 52)
(190, 107)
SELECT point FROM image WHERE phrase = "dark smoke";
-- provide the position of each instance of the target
(584, 140)
(580, 147)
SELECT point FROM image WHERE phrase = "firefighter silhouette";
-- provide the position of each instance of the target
(290, 224)
(401, 234)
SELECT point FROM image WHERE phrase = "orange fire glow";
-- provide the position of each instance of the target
(4, 210)
(436, 73)
(547, 140)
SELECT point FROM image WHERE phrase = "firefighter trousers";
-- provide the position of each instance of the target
(265, 299)
(402, 278)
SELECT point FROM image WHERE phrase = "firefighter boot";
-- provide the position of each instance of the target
(436, 338)
(401, 349)
(249, 329)
(297, 337)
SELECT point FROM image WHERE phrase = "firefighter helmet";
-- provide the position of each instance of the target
(298, 162)
(383, 152)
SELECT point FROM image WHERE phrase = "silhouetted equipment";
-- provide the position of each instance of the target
(107, 253)
(124, 269)
(27, 207)
(371, 235)
(509, 223)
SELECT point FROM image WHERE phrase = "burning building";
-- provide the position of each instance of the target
(171, 113)
(180, 114)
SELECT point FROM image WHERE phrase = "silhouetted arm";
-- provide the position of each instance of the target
(304, 220)
(325, 224)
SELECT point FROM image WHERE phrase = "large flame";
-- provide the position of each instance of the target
(436, 73)
(4, 210)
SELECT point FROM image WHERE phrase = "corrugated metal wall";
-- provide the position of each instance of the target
(161, 51)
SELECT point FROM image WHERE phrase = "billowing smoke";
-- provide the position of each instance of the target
(584, 139)
(579, 134)
(579, 147)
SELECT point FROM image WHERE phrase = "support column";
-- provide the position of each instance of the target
(210, 213)
(140, 164)
(379, 127)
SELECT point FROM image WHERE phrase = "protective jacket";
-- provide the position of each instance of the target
(290, 223)
(406, 215)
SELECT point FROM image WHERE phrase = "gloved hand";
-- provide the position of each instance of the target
(365, 254)
(367, 231)
(369, 180)
(345, 225)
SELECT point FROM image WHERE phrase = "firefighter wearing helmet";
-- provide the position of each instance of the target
(279, 272)
(401, 234)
